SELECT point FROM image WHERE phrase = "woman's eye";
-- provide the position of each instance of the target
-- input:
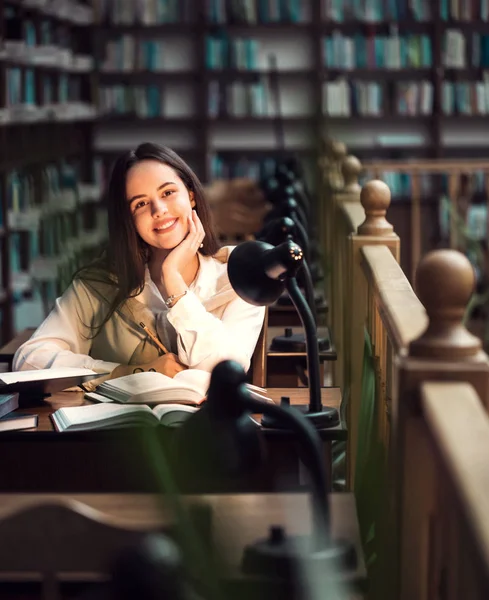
(167, 193)
(139, 204)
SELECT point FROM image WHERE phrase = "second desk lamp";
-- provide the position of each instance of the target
(259, 272)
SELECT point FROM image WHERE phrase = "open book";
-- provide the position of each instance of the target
(111, 416)
(187, 387)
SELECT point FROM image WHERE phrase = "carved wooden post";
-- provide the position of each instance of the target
(445, 351)
(332, 182)
(351, 169)
(339, 232)
(375, 230)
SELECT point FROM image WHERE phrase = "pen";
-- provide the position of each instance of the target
(154, 338)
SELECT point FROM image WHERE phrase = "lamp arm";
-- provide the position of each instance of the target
(309, 289)
(311, 443)
(312, 347)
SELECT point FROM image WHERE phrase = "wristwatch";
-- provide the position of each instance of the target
(170, 301)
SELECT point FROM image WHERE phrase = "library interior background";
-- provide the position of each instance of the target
(238, 88)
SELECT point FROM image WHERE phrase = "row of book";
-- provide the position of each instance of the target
(150, 12)
(344, 98)
(394, 51)
(61, 97)
(141, 101)
(429, 184)
(464, 10)
(455, 52)
(222, 51)
(377, 11)
(466, 97)
(255, 11)
(240, 99)
(144, 12)
(50, 235)
(131, 54)
(374, 11)
(75, 11)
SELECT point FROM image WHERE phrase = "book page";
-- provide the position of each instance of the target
(138, 383)
(195, 378)
(93, 413)
(162, 409)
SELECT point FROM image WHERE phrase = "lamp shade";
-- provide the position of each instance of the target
(277, 231)
(257, 270)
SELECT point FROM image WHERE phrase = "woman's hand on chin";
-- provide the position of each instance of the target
(181, 256)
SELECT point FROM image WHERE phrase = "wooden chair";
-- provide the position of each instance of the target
(258, 368)
(50, 538)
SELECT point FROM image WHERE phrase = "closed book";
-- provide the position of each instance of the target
(8, 403)
(14, 421)
(46, 381)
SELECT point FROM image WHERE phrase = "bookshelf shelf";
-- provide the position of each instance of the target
(179, 29)
(379, 27)
(146, 76)
(252, 74)
(379, 73)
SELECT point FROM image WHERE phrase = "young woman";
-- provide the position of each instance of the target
(162, 268)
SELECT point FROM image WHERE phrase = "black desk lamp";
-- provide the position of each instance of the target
(275, 233)
(286, 203)
(259, 272)
(288, 178)
(221, 442)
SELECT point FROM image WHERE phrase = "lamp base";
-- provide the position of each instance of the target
(324, 419)
(285, 557)
(295, 342)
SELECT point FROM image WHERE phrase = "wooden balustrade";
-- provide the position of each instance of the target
(457, 191)
(363, 292)
(341, 213)
(440, 469)
(427, 441)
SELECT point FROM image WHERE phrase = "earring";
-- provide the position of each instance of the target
(201, 246)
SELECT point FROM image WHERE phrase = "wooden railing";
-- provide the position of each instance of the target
(455, 169)
(422, 452)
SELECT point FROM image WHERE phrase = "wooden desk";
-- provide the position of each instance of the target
(286, 315)
(282, 366)
(122, 460)
(237, 520)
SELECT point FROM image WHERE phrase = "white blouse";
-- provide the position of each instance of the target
(207, 325)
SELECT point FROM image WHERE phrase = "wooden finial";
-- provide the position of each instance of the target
(445, 281)
(375, 198)
(351, 169)
(338, 150)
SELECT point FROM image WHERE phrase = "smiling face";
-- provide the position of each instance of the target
(159, 203)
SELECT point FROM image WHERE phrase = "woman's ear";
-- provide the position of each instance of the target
(192, 199)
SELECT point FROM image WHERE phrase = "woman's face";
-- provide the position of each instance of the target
(159, 203)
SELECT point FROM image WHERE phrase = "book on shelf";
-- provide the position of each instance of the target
(188, 387)
(15, 422)
(115, 416)
(45, 381)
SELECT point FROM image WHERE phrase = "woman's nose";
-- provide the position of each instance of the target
(158, 207)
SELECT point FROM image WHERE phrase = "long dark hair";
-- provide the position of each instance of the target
(122, 265)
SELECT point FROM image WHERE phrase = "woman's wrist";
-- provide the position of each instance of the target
(174, 284)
